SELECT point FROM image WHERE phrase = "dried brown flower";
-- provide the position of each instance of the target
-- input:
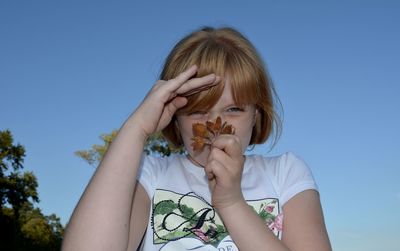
(205, 134)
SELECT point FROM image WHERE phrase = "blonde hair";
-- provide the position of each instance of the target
(227, 53)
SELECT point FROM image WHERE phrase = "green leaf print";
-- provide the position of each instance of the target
(187, 212)
(263, 214)
(165, 207)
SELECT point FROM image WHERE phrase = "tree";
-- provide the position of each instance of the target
(155, 144)
(23, 226)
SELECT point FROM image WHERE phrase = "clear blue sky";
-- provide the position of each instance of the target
(72, 70)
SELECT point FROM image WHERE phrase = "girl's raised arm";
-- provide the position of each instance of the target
(101, 220)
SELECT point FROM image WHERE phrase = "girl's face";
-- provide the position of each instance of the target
(241, 117)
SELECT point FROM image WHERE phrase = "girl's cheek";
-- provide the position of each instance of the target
(198, 117)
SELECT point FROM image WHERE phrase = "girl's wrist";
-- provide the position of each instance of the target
(232, 209)
(133, 128)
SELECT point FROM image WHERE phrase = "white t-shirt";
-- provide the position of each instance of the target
(181, 216)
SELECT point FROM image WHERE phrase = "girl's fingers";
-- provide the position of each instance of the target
(170, 109)
(185, 75)
(214, 169)
(176, 82)
(175, 104)
(229, 144)
(232, 165)
(219, 155)
(184, 86)
(198, 84)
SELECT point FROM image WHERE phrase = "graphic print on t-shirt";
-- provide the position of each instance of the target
(187, 221)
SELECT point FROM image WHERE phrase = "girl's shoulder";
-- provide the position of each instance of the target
(154, 169)
(281, 161)
(288, 173)
(283, 167)
(159, 165)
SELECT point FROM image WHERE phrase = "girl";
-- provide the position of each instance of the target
(214, 197)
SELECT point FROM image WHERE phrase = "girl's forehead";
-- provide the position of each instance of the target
(226, 99)
(226, 95)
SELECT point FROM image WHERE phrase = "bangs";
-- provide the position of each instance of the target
(245, 77)
(231, 64)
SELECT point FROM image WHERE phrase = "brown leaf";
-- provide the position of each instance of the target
(214, 127)
(200, 130)
(198, 143)
(227, 129)
(204, 134)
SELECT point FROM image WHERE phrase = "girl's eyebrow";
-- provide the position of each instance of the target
(238, 105)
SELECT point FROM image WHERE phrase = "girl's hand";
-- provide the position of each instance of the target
(224, 170)
(158, 107)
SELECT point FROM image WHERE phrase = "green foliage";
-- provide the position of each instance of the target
(155, 144)
(188, 213)
(95, 155)
(19, 188)
(40, 230)
(10, 154)
(23, 226)
(165, 207)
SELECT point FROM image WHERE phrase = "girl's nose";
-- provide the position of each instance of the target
(214, 115)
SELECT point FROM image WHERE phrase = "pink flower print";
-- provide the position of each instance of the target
(199, 233)
(277, 224)
(269, 221)
(269, 209)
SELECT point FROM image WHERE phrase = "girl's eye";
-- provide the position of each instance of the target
(235, 109)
